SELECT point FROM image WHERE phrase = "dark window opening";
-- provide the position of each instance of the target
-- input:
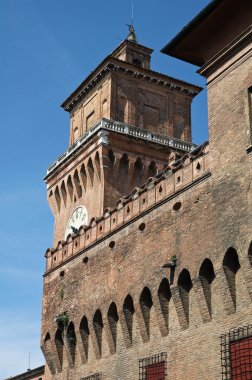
(250, 112)
(137, 62)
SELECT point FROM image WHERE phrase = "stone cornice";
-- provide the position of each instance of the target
(113, 64)
(121, 128)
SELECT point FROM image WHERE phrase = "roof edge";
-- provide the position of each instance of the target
(187, 28)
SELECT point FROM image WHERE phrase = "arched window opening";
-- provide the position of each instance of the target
(63, 192)
(184, 287)
(84, 332)
(112, 320)
(152, 169)
(124, 165)
(59, 346)
(46, 348)
(111, 156)
(98, 164)
(207, 275)
(146, 305)
(138, 172)
(98, 326)
(164, 296)
(70, 187)
(111, 163)
(57, 198)
(128, 311)
(122, 179)
(83, 176)
(77, 183)
(231, 266)
(71, 341)
(91, 171)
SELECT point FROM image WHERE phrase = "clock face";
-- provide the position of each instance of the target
(77, 219)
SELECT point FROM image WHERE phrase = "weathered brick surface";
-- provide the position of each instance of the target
(214, 223)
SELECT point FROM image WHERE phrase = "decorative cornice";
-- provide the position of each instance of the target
(114, 64)
(125, 129)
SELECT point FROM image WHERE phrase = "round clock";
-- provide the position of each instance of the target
(77, 219)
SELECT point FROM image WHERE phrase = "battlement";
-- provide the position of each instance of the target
(173, 180)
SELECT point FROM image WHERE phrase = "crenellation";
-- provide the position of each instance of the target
(141, 199)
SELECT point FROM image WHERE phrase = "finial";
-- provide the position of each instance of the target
(132, 33)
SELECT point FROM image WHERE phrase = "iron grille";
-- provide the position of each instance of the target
(95, 376)
(236, 354)
(153, 367)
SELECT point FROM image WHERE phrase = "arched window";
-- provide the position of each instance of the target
(138, 172)
(98, 164)
(98, 327)
(184, 286)
(207, 275)
(146, 305)
(47, 351)
(112, 320)
(71, 341)
(84, 332)
(70, 187)
(83, 175)
(122, 178)
(59, 346)
(164, 295)
(63, 192)
(152, 169)
(91, 170)
(57, 197)
(128, 311)
(77, 183)
(231, 266)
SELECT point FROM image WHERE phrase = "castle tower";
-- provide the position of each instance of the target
(154, 283)
(127, 123)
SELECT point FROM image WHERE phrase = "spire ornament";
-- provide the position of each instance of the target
(132, 34)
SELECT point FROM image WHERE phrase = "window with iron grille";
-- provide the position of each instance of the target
(153, 367)
(95, 376)
(236, 354)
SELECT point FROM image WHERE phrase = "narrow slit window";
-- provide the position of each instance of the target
(250, 114)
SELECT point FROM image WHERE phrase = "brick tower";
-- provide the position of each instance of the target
(150, 277)
(127, 123)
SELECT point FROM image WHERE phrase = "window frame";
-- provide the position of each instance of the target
(152, 361)
(233, 336)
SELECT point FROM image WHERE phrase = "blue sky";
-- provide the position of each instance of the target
(47, 48)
